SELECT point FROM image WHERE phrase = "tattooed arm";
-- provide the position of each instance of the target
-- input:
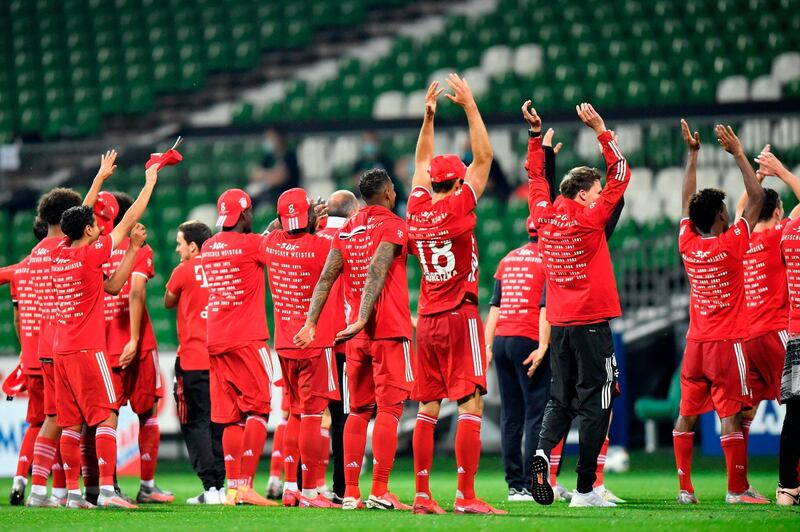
(376, 277)
(331, 271)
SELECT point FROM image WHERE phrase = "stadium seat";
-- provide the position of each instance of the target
(732, 89)
(765, 88)
(651, 410)
(786, 67)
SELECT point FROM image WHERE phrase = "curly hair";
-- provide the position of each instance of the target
(373, 182)
(39, 228)
(54, 203)
(75, 220)
(704, 206)
(577, 179)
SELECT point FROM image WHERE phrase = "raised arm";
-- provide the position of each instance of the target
(135, 212)
(376, 277)
(760, 175)
(538, 188)
(771, 165)
(424, 154)
(114, 284)
(478, 171)
(330, 272)
(107, 168)
(692, 141)
(550, 153)
(755, 193)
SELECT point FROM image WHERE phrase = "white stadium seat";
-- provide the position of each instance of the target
(414, 104)
(754, 133)
(389, 105)
(497, 60)
(786, 67)
(478, 80)
(732, 89)
(786, 133)
(528, 59)
(765, 88)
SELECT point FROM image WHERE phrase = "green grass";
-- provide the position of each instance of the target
(650, 488)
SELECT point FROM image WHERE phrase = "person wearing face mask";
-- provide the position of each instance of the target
(370, 156)
(278, 171)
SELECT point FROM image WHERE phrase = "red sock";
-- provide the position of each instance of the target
(44, 452)
(106, 445)
(232, 447)
(149, 440)
(325, 440)
(311, 448)
(71, 454)
(291, 448)
(355, 441)
(422, 445)
(253, 440)
(25, 459)
(736, 460)
(601, 464)
(555, 461)
(276, 464)
(384, 446)
(683, 444)
(89, 470)
(59, 479)
(468, 453)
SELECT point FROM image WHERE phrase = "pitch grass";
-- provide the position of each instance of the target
(650, 489)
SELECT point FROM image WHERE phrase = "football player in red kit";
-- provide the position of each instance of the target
(450, 344)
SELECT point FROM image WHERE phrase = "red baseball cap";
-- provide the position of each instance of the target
(293, 208)
(14, 382)
(447, 167)
(106, 209)
(230, 206)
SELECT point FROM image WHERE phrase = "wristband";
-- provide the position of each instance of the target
(533, 134)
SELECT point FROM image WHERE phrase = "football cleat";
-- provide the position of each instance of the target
(560, 493)
(123, 496)
(75, 501)
(17, 496)
(274, 489)
(424, 505)
(291, 498)
(744, 498)
(352, 503)
(247, 495)
(40, 501)
(684, 497)
(317, 502)
(752, 492)
(475, 506)
(607, 495)
(586, 500)
(541, 489)
(388, 501)
(153, 495)
(110, 499)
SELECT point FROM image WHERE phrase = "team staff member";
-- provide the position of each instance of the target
(187, 292)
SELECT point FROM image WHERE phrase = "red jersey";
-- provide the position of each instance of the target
(766, 296)
(23, 295)
(78, 282)
(294, 265)
(522, 277)
(117, 307)
(339, 308)
(234, 267)
(790, 251)
(357, 241)
(442, 237)
(581, 288)
(715, 269)
(188, 283)
(7, 274)
(39, 269)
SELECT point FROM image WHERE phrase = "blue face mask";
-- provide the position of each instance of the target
(369, 149)
(268, 146)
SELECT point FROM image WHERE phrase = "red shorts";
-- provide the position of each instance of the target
(765, 356)
(714, 377)
(451, 355)
(35, 387)
(379, 371)
(84, 390)
(49, 376)
(140, 383)
(240, 383)
(310, 383)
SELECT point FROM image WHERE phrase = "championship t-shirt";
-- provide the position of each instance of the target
(766, 296)
(442, 237)
(39, 268)
(338, 306)
(234, 267)
(714, 266)
(23, 295)
(522, 278)
(790, 251)
(188, 282)
(358, 241)
(77, 274)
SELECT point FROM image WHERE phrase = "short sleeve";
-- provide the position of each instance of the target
(143, 265)
(176, 280)
(419, 197)
(394, 231)
(100, 251)
(686, 233)
(258, 247)
(498, 274)
(736, 240)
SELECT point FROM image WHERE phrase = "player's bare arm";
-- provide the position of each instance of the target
(330, 272)
(114, 284)
(760, 175)
(136, 301)
(769, 164)
(692, 141)
(755, 193)
(170, 300)
(489, 332)
(106, 170)
(425, 142)
(478, 171)
(136, 210)
(376, 277)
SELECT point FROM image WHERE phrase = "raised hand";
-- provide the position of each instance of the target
(430, 99)
(768, 164)
(151, 174)
(531, 117)
(590, 117)
(138, 235)
(107, 164)
(728, 139)
(462, 94)
(692, 140)
(547, 140)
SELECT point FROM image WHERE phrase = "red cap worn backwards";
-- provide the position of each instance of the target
(293, 208)
(106, 209)
(230, 206)
(447, 167)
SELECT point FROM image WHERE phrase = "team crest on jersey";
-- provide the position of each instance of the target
(592, 205)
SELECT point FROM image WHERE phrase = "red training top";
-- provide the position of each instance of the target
(766, 296)
(522, 277)
(339, 308)
(29, 315)
(188, 282)
(790, 251)
(39, 268)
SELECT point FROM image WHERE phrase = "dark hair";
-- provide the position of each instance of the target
(443, 186)
(373, 182)
(577, 179)
(75, 220)
(195, 231)
(125, 201)
(39, 228)
(54, 203)
(704, 206)
(771, 202)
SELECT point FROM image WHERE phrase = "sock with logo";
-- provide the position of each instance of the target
(683, 444)
(468, 453)
(311, 449)
(736, 461)
(601, 464)
(71, 454)
(25, 459)
(232, 447)
(106, 445)
(555, 460)
(253, 440)
(355, 442)
(422, 444)
(291, 449)
(276, 462)
(44, 453)
(384, 446)
(325, 441)
(149, 439)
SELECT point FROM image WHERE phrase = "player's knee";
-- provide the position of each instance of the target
(430, 408)
(395, 410)
(472, 404)
(364, 412)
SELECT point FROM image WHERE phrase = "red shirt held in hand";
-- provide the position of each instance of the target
(188, 282)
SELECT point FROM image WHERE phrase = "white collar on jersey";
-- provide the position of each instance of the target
(335, 222)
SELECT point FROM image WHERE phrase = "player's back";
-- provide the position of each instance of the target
(522, 279)
(41, 280)
(441, 235)
(790, 251)
(188, 281)
(714, 266)
(234, 267)
(766, 296)
(339, 309)
(29, 313)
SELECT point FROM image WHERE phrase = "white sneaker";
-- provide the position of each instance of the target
(351, 503)
(214, 496)
(684, 497)
(591, 499)
(560, 493)
(274, 488)
(607, 495)
(523, 495)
